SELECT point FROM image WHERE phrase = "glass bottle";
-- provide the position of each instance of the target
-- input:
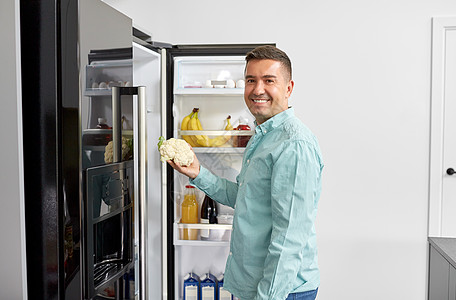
(242, 140)
(208, 215)
(190, 213)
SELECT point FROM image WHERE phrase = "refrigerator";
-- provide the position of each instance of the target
(103, 213)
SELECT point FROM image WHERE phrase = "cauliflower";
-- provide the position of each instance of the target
(127, 147)
(176, 150)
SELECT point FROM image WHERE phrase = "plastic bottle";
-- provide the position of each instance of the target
(243, 125)
(208, 216)
(190, 213)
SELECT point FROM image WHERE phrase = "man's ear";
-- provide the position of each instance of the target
(290, 88)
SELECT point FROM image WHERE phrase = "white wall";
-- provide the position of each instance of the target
(12, 224)
(362, 83)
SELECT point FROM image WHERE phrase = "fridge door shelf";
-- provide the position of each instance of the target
(126, 63)
(111, 73)
(126, 133)
(219, 150)
(97, 139)
(219, 234)
(97, 92)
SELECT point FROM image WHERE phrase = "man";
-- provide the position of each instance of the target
(273, 244)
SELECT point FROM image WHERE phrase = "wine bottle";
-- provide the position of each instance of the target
(208, 216)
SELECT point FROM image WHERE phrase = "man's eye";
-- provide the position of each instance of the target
(250, 81)
(269, 81)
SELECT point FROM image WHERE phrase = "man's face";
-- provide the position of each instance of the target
(267, 89)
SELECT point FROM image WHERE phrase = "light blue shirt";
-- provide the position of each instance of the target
(273, 249)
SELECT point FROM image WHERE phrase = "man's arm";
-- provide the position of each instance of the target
(295, 190)
(219, 189)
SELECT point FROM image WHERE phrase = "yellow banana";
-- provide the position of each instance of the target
(228, 124)
(203, 140)
(185, 126)
(198, 140)
(193, 126)
(223, 139)
(192, 122)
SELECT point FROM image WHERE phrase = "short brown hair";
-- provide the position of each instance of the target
(270, 52)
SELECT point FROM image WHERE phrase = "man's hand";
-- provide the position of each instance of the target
(191, 171)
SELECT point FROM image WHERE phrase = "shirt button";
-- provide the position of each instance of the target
(240, 184)
(248, 160)
(265, 131)
(231, 253)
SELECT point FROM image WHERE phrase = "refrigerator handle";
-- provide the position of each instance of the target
(116, 125)
(140, 157)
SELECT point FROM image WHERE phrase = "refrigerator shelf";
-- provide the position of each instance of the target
(219, 150)
(210, 91)
(230, 144)
(219, 234)
(201, 243)
(204, 226)
(217, 132)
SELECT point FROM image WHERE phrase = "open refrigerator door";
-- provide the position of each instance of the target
(147, 72)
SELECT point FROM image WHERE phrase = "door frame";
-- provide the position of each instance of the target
(440, 26)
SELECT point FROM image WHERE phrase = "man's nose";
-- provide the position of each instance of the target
(259, 88)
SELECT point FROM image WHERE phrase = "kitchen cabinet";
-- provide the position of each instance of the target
(452, 284)
(442, 269)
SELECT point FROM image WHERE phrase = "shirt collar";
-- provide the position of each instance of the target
(274, 121)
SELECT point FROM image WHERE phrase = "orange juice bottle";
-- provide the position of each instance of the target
(190, 212)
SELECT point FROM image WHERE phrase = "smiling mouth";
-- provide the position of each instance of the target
(260, 100)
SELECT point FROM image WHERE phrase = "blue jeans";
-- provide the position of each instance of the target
(309, 295)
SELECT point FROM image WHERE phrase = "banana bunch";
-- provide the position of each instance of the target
(184, 126)
(192, 122)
